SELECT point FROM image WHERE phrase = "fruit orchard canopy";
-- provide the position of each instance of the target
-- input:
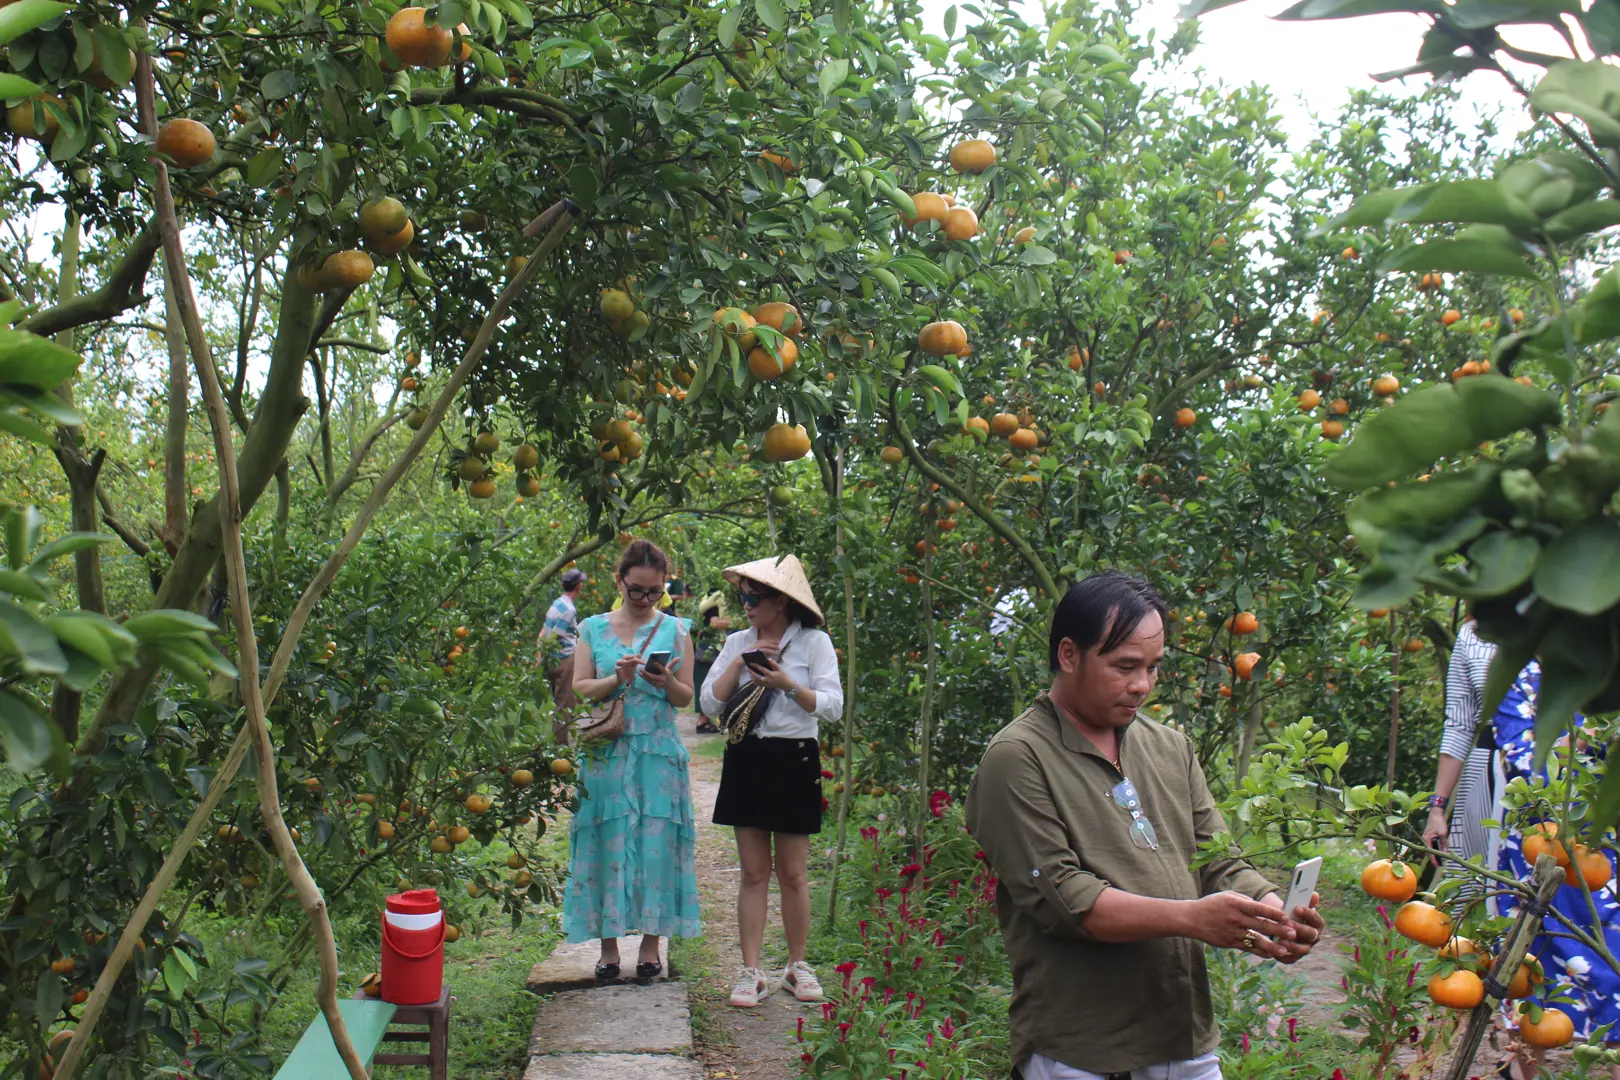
(783, 573)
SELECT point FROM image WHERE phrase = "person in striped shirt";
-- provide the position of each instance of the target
(1467, 781)
(562, 623)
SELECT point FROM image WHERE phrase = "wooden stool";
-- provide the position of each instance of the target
(434, 1017)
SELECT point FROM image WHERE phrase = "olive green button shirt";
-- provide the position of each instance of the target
(1042, 808)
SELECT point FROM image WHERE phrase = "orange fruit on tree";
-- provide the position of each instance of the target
(1339, 407)
(930, 207)
(892, 455)
(459, 834)
(784, 442)
(382, 217)
(385, 830)
(783, 318)
(1450, 316)
(1332, 429)
(1594, 866)
(737, 325)
(347, 269)
(1121, 258)
(525, 456)
(20, 118)
(1464, 949)
(394, 243)
(942, 338)
(1462, 989)
(441, 845)
(961, 223)
(1308, 400)
(1024, 439)
(1003, 424)
(1553, 1030)
(186, 142)
(521, 778)
(1394, 882)
(1243, 666)
(1024, 235)
(1527, 979)
(779, 160)
(1423, 923)
(452, 934)
(64, 966)
(478, 804)
(528, 486)
(416, 44)
(1413, 644)
(1078, 357)
(561, 767)
(979, 425)
(482, 489)
(1385, 385)
(972, 156)
(1244, 622)
(1026, 417)
(1185, 418)
(765, 366)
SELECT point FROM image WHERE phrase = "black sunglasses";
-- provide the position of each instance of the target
(754, 599)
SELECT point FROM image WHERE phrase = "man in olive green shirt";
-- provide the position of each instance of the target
(1091, 816)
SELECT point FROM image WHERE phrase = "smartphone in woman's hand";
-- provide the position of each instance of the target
(757, 658)
(657, 661)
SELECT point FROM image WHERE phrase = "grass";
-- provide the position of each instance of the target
(712, 747)
(698, 966)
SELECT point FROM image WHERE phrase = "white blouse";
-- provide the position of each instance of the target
(810, 661)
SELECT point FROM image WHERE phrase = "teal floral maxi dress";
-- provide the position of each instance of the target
(632, 862)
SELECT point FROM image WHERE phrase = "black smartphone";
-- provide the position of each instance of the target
(656, 661)
(757, 658)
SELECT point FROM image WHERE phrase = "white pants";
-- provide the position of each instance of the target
(1208, 1067)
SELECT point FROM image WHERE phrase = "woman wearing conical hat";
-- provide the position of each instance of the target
(770, 783)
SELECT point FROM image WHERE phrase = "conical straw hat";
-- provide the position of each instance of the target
(785, 574)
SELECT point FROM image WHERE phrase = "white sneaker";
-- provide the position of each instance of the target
(749, 989)
(801, 979)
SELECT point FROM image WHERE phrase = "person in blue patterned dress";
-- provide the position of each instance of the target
(632, 860)
(1573, 971)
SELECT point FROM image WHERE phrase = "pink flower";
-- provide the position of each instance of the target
(1383, 913)
(869, 832)
(862, 927)
(801, 1029)
(846, 968)
(843, 1032)
(939, 802)
(1245, 1042)
(948, 1029)
(1293, 1033)
(828, 1010)
(826, 774)
(910, 870)
(808, 1059)
(884, 894)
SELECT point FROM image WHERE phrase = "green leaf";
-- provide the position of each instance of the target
(770, 13)
(1499, 563)
(15, 86)
(1435, 422)
(43, 402)
(1583, 89)
(24, 428)
(84, 635)
(1370, 210)
(28, 738)
(278, 84)
(1581, 570)
(67, 545)
(1349, 9)
(29, 640)
(1602, 26)
(17, 18)
(32, 360)
(1504, 668)
(1036, 255)
(1484, 14)
(1470, 202)
(582, 183)
(164, 622)
(1577, 658)
(1459, 256)
(940, 378)
(1436, 501)
(1581, 219)
(727, 31)
(832, 76)
(22, 585)
(22, 533)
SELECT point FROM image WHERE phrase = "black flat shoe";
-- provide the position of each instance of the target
(649, 971)
(607, 972)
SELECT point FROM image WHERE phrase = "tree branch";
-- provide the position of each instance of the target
(117, 295)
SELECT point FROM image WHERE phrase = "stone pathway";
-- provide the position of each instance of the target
(585, 1031)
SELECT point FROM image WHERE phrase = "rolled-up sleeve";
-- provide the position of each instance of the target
(825, 679)
(1221, 875)
(1010, 812)
(728, 652)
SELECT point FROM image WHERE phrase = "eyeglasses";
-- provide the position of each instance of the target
(753, 599)
(1142, 834)
(636, 592)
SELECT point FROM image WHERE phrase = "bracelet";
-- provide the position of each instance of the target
(1438, 802)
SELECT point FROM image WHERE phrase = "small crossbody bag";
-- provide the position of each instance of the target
(605, 722)
(746, 706)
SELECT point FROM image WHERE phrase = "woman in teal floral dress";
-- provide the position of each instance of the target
(632, 863)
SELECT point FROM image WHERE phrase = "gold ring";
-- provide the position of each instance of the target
(1250, 940)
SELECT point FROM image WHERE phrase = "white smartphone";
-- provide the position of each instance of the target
(1302, 885)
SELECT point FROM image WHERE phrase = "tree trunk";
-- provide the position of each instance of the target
(1394, 716)
(175, 491)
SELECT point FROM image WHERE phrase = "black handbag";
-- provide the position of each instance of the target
(746, 706)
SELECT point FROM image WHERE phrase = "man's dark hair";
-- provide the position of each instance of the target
(1084, 613)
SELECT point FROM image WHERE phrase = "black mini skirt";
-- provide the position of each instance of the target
(771, 784)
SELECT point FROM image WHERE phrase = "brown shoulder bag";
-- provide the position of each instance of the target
(605, 722)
